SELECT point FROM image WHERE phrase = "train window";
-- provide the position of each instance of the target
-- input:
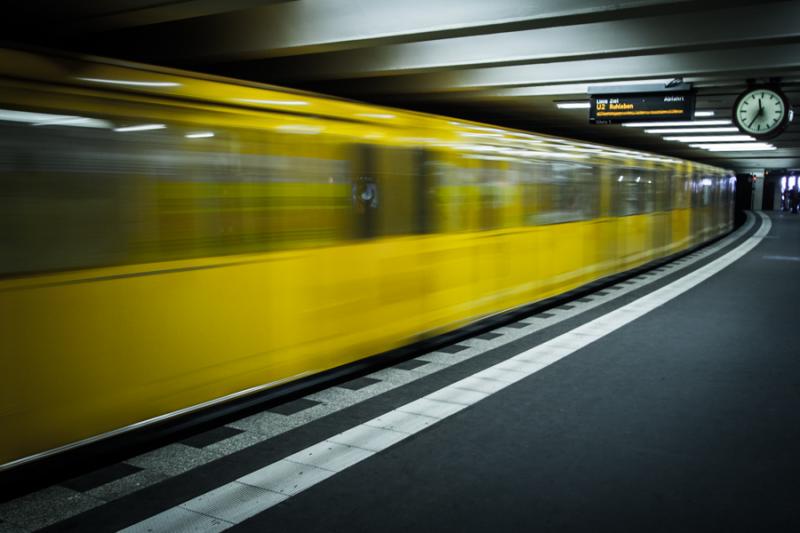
(696, 191)
(567, 192)
(499, 195)
(663, 191)
(529, 179)
(62, 210)
(681, 190)
(456, 195)
(706, 190)
(111, 195)
(639, 190)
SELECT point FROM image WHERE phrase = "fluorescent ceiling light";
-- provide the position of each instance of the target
(572, 105)
(134, 83)
(710, 138)
(199, 135)
(722, 129)
(141, 127)
(274, 102)
(375, 115)
(677, 123)
(735, 147)
(704, 113)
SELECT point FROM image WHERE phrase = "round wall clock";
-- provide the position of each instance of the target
(762, 112)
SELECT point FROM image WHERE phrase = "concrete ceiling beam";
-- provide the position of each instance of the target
(302, 27)
(772, 22)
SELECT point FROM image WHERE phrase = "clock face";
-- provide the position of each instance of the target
(760, 112)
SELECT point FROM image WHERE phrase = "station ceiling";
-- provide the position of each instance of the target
(507, 62)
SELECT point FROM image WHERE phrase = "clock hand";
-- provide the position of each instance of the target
(760, 110)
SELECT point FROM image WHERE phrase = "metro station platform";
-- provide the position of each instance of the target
(666, 402)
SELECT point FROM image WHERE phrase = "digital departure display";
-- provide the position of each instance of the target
(613, 109)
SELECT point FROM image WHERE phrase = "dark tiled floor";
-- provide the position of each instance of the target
(584, 300)
(411, 364)
(566, 307)
(293, 407)
(210, 437)
(545, 315)
(518, 325)
(453, 348)
(100, 477)
(360, 383)
(489, 336)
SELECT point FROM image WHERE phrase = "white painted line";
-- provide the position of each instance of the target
(330, 456)
(476, 384)
(232, 503)
(408, 423)
(369, 437)
(520, 366)
(286, 477)
(453, 395)
(179, 519)
(506, 375)
(433, 408)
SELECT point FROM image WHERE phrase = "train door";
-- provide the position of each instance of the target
(697, 208)
(365, 195)
(423, 191)
(662, 227)
(391, 191)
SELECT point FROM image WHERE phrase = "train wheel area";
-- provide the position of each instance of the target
(664, 401)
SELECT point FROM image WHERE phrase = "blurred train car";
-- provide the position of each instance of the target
(171, 240)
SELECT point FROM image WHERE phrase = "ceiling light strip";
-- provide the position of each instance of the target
(710, 138)
(719, 129)
(735, 147)
(677, 123)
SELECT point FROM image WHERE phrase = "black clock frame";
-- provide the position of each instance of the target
(780, 128)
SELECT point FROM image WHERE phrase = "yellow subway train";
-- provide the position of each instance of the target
(171, 240)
